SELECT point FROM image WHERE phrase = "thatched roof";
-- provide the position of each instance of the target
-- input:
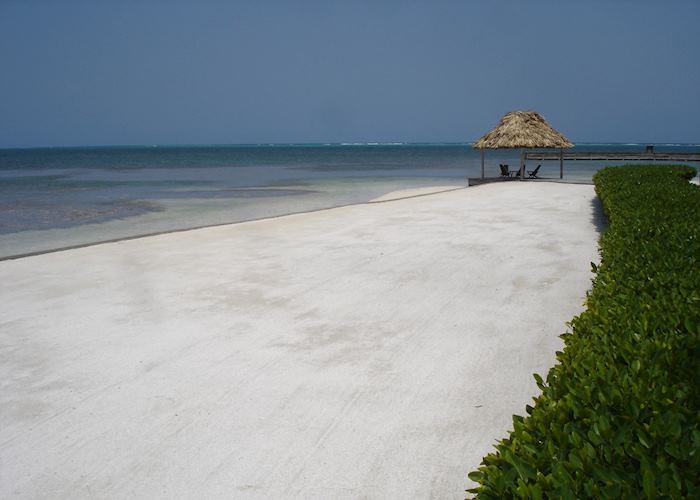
(523, 129)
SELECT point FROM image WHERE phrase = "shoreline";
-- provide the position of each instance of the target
(391, 196)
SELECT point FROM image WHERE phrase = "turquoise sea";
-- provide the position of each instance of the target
(52, 198)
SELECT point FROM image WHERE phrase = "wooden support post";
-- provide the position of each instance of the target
(561, 163)
(482, 163)
(522, 164)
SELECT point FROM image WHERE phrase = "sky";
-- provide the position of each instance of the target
(225, 72)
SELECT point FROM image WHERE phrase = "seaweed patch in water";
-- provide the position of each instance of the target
(28, 216)
(236, 193)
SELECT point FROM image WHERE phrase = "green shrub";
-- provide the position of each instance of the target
(619, 414)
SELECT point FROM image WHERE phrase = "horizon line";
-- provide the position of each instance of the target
(325, 144)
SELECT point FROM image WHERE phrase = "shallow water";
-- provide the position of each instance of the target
(57, 197)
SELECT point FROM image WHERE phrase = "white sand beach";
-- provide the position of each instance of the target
(410, 193)
(370, 351)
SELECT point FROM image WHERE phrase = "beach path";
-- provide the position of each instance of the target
(369, 351)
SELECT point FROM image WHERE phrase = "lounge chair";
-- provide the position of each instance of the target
(504, 170)
(532, 174)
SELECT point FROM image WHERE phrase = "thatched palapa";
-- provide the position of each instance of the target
(523, 129)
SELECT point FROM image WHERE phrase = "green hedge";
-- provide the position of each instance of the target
(619, 414)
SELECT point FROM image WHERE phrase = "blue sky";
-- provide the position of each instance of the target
(171, 72)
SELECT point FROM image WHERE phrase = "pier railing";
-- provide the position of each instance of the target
(612, 156)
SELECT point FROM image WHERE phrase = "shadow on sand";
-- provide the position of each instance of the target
(598, 217)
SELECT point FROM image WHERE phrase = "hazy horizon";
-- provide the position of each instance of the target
(321, 144)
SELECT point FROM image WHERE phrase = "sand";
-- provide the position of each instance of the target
(410, 193)
(370, 351)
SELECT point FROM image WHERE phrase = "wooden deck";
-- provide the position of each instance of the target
(611, 156)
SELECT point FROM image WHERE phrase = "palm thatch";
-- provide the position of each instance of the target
(523, 129)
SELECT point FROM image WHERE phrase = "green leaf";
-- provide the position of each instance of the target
(648, 483)
(525, 471)
(538, 379)
(476, 476)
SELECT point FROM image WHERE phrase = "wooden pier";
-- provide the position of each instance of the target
(543, 155)
(611, 156)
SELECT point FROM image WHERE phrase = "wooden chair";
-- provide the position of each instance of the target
(532, 174)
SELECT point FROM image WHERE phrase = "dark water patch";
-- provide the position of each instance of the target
(31, 215)
(236, 193)
(67, 182)
(32, 182)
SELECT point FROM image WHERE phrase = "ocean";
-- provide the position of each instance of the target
(52, 198)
